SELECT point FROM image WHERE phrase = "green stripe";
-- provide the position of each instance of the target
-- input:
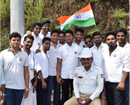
(81, 23)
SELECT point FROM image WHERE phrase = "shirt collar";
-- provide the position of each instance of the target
(12, 51)
(34, 35)
(126, 45)
(117, 48)
(91, 68)
(68, 45)
(101, 45)
(56, 45)
(76, 43)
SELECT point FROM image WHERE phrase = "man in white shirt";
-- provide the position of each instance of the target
(97, 49)
(97, 55)
(31, 100)
(45, 29)
(115, 68)
(51, 81)
(15, 63)
(78, 40)
(41, 60)
(67, 62)
(88, 41)
(88, 82)
(121, 36)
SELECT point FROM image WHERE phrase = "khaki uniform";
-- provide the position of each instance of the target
(87, 84)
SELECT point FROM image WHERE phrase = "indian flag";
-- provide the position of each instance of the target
(82, 18)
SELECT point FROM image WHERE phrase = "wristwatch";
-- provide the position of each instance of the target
(3, 94)
(27, 89)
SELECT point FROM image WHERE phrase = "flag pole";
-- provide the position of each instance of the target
(95, 27)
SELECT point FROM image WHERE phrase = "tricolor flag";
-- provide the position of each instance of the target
(82, 18)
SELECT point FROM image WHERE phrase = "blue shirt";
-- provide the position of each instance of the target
(2, 81)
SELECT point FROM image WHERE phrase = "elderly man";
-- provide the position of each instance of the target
(88, 82)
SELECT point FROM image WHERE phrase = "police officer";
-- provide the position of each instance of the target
(88, 82)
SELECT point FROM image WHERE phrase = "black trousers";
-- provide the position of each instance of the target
(114, 96)
(65, 89)
(40, 93)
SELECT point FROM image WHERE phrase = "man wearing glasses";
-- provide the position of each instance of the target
(88, 41)
(97, 50)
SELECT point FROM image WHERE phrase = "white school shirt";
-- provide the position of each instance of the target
(126, 47)
(97, 54)
(88, 82)
(41, 61)
(42, 36)
(13, 66)
(115, 64)
(69, 56)
(52, 55)
(31, 67)
(37, 43)
(82, 45)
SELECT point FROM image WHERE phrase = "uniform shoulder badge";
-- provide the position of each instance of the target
(75, 75)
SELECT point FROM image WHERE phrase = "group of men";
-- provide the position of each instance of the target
(43, 60)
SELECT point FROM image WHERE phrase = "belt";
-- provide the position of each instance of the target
(41, 80)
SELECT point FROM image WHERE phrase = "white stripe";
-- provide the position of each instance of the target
(84, 16)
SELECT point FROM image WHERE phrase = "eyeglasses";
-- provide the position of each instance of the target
(88, 42)
(97, 37)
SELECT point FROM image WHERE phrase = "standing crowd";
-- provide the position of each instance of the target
(86, 68)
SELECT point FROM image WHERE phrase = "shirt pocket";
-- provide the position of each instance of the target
(81, 81)
(92, 81)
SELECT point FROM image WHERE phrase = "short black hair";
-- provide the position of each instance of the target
(54, 31)
(61, 32)
(96, 33)
(29, 36)
(46, 38)
(79, 29)
(121, 30)
(14, 34)
(87, 36)
(69, 31)
(45, 21)
(37, 23)
(109, 33)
